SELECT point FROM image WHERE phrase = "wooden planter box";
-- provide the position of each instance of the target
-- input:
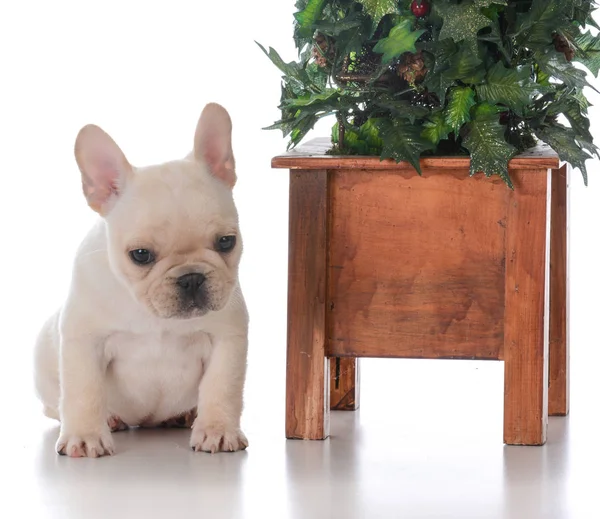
(384, 263)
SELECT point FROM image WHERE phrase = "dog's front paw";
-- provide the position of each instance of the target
(216, 438)
(87, 445)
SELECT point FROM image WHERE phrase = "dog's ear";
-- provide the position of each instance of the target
(212, 143)
(104, 168)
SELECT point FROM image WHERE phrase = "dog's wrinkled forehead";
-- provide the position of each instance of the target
(177, 200)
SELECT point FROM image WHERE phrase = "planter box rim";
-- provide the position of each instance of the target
(312, 155)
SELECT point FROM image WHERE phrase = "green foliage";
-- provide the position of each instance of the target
(308, 16)
(483, 77)
(402, 39)
(588, 51)
(402, 141)
(461, 100)
(435, 128)
(489, 151)
(377, 9)
(511, 87)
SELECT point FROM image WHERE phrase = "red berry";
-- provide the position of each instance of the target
(503, 118)
(419, 8)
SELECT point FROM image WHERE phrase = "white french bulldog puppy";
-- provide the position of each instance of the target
(154, 330)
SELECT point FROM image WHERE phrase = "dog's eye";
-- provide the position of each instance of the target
(141, 256)
(226, 243)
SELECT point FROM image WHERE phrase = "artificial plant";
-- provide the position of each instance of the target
(409, 78)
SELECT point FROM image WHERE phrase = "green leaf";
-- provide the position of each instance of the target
(463, 21)
(487, 111)
(459, 107)
(304, 125)
(435, 128)
(438, 83)
(401, 39)
(588, 51)
(377, 9)
(465, 66)
(442, 51)
(562, 141)
(326, 98)
(495, 36)
(294, 73)
(308, 16)
(490, 153)
(353, 20)
(555, 64)
(534, 29)
(317, 75)
(574, 113)
(352, 37)
(512, 87)
(400, 108)
(362, 141)
(402, 141)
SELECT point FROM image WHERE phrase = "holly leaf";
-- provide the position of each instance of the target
(574, 113)
(293, 72)
(555, 64)
(490, 153)
(326, 99)
(465, 66)
(563, 141)
(487, 110)
(354, 20)
(459, 107)
(441, 51)
(401, 108)
(351, 38)
(306, 18)
(317, 75)
(377, 9)
(512, 87)
(402, 141)
(588, 51)
(535, 28)
(400, 40)
(438, 83)
(435, 128)
(463, 21)
(496, 37)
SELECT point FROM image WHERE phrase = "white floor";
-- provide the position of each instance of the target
(426, 444)
(427, 441)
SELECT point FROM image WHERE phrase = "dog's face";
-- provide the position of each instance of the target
(173, 235)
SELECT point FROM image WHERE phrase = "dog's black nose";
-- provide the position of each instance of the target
(190, 284)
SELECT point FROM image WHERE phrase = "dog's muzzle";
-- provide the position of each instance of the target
(192, 291)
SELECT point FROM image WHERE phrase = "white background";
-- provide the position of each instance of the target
(143, 71)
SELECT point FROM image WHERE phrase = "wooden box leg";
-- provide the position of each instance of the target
(558, 390)
(526, 310)
(344, 383)
(307, 379)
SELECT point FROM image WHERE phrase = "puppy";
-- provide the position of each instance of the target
(154, 330)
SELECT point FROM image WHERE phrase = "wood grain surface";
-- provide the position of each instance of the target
(416, 265)
(526, 315)
(307, 380)
(312, 155)
(344, 383)
(558, 390)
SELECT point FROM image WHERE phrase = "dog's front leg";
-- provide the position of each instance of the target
(220, 399)
(84, 430)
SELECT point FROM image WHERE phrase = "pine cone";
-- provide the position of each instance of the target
(322, 50)
(412, 68)
(561, 44)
